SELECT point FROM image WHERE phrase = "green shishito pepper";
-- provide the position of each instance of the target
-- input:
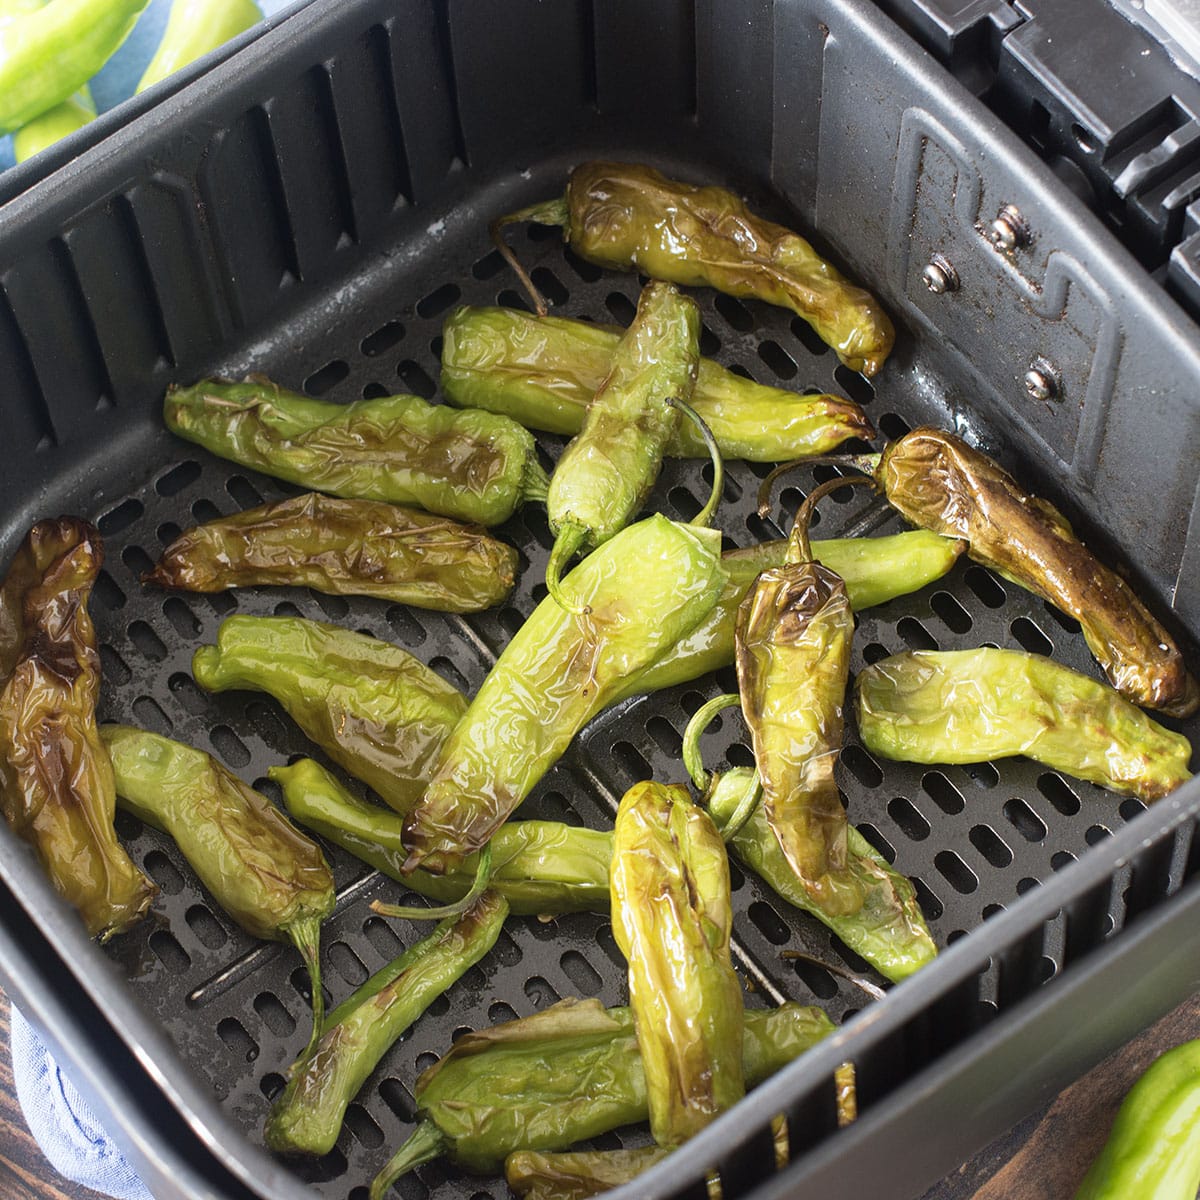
(268, 876)
(577, 1175)
(473, 466)
(54, 124)
(539, 867)
(967, 706)
(624, 215)
(642, 591)
(376, 710)
(544, 371)
(1153, 1151)
(561, 1076)
(606, 472)
(343, 548)
(672, 920)
(307, 1115)
(195, 28)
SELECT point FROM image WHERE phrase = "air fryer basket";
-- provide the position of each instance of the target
(313, 209)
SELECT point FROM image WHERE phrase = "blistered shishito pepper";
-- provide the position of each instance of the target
(544, 371)
(267, 875)
(56, 783)
(473, 466)
(376, 710)
(577, 1175)
(606, 472)
(642, 590)
(195, 28)
(966, 706)
(346, 548)
(307, 1115)
(672, 920)
(1153, 1151)
(624, 216)
(563, 1075)
(539, 867)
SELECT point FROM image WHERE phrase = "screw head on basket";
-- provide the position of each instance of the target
(1042, 380)
(939, 275)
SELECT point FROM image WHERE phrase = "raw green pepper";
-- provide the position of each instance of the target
(195, 28)
(644, 589)
(344, 547)
(672, 920)
(623, 215)
(473, 466)
(609, 468)
(966, 706)
(56, 783)
(539, 867)
(307, 1115)
(54, 124)
(376, 710)
(544, 371)
(268, 876)
(568, 1073)
(1153, 1151)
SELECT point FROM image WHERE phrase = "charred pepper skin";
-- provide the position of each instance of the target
(965, 706)
(377, 711)
(578, 1175)
(939, 482)
(343, 548)
(307, 1116)
(672, 919)
(544, 371)
(56, 783)
(472, 466)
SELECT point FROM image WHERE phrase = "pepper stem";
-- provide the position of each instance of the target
(873, 990)
(306, 937)
(405, 912)
(701, 719)
(866, 463)
(571, 536)
(798, 548)
(426, 1143)
(744, 811)
(548, 212)
(704, 517)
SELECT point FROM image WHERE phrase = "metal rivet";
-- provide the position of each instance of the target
(939, 275)
(1042, 380)
(1009, 230)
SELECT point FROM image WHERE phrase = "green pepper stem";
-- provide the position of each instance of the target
(866, 463)
(548, 212)
(701, 719)
(426, 1143)
(483, 877)
(744, 811)
(306, 937)
(798, 548)
(571, 535)
(873, 990)
(704, 517)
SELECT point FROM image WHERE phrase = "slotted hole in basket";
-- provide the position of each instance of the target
(449, 672)
(382, 937)
(983, 774)
(581, 973)
(507, 952)
(1056, 790)
(550, 286)
(931, 904)
(1060, 859)
(148, 643)
(137, 560)
(631, 761)
(187, 691)
(874, 652)
(808, 337)
(1131, 807)
(956, 872)
(1060, 618)
(336, 608)
(405, 627)
(107, 593)
(208, 930)
(243, 491)
(150, 716)
(204, 510)
(438, 300)
(374, 391)
(326, 377)
(915, 635)
(710, 344)
(862, 766)
(684, 503)
(586, 271)
(272, 1084)
(120, 517)
(229, 746)
(508, 298)
(274, 1015)
(607, 943)
(347, 964)
(877, 840)
(222, 603)
(986, 587)
(952, 614)
(735, 314)
(1096, 834)
(1024, 820)
(362, 1125)
(769, 923)
(621, 307)
(267, 723)
(943, 793)
(989, 843)
(398, 1098)
(167, 532)
(908, 818)
(233, 1033)
(1030, 637)
(169, 952)
(180, 476)
(777, 359)
(387, 335)
(113, 668)
(416, 379)
(818, 980)
(182, 619)
(164, 872)
(859, 389)
(128, 827)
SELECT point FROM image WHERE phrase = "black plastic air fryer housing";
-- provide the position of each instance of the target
(312, 209)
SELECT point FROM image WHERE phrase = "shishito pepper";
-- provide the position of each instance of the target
(54, 124)
(544, 371)
(577, 1175)
(606, 472)
(267, 875)
(345, 548)
(473, 466)
(56, 783)
(966, 706)
(195, 28)
(672, 920)
(1153, 1151)
(539, 867)
(376, 710)
(624, 215)
(563, 1075)
(307, 1115)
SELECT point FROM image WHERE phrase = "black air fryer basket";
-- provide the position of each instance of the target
(312, 209)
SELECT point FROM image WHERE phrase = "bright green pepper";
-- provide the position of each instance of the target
(1153, 1151)
(539, 867)
(376, 710)
(195, 28)
(54, 124)
(544, 371)
(307, 1115)
(473, 466)
(966, 706)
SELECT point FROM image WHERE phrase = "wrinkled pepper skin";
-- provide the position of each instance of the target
(1153, 1151)
(539, 867)
(544, 371)
(343, 548)
(874, 570)
(939, 482)
(645, 588)
(966, 706)
(56, 783)
(376, 710)
(889, 931)
(472, 466)
(307, 1115)
(672, 920)
(577, 1175)
(194, 29)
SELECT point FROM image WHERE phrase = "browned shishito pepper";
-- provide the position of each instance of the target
(56, 782)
